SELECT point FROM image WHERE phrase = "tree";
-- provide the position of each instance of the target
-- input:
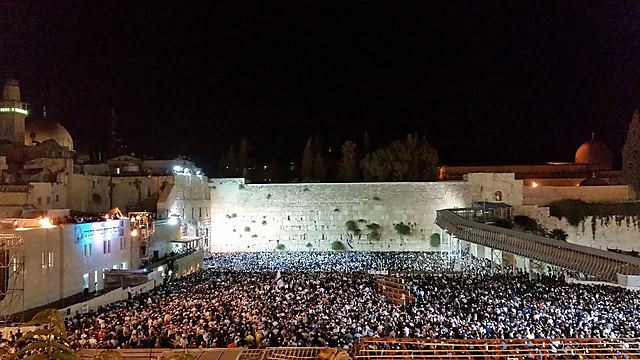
(49, 341)
(243, 155)
(232, 161)
(631, 153)
(367, 143)
(306, 168)
(411, 159)
(319, 169)
(348, 167)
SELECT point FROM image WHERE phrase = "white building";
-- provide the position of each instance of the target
(53, 262)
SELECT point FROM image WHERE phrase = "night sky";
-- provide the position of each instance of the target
(487, 82)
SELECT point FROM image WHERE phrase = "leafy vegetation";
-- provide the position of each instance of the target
(526, 223)
(338, 246)
(402, 229)
(631, 153)
(435, 241)
(280, 247)
(558, 234)
(348, 170)
(48, 341)
(352, 226)
(411, 159)
(505, 224)
(576, 211)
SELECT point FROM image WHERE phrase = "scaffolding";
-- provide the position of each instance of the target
(11, 279)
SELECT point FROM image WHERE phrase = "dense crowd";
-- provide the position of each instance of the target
(345, 262)
(322, 301)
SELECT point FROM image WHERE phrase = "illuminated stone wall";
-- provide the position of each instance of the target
(310, 216)
(615, 232)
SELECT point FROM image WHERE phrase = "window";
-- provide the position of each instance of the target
(39, 201)
(109, 245)
(104, 246)
(148, 192)
(57, 198)
(200, 208)
(50, 259)
(90, 248)
(14, 264)
(48, 199)
(85, 250)
(44, 264)
(121, 243)
(498, 195)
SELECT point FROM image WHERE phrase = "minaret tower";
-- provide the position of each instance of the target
(12, 113)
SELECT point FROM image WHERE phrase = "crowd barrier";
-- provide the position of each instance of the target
(116, 295)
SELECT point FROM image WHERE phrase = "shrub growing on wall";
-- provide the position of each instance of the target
(280, 247)
(435, 240)
(338, 246)
(351, 225)
(558, 234)
(576, 211)
(527, 223)
(309, 245)
(402, 229)
(374, 231)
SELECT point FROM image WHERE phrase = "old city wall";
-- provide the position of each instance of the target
(615, 232)
(310, 216)
(543, 195)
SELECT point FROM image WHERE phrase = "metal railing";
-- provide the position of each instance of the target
(392, 348)
(598, 263)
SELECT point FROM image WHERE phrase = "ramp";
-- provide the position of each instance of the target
(598, 263)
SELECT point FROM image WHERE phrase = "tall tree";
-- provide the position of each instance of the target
(348, 167)
(367, 144)
(411, 159)
(631, 153)
(319, 169)
(306, 167)
(232, 161)
(243, 154)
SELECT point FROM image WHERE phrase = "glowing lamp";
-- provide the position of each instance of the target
(134, 232)
(173, 221)
(45, 222)
(534, 184)
(177, 168)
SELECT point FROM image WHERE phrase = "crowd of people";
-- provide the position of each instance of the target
(331, 299)
(346, 262)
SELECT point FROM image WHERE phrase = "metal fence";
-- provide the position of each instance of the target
(535, 349)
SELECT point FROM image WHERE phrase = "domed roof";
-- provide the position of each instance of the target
(45, 129)
(594, 152)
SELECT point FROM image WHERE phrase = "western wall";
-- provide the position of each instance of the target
(311, 216)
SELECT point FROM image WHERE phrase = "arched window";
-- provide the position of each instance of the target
(498, 195)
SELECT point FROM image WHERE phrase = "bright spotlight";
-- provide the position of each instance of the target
(134, 232)
(45, 222)
(173, 221)
(177, 168)
(534, 184)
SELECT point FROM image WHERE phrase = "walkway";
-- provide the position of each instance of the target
(598, 263)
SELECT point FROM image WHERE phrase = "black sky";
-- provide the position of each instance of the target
(486, 81)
